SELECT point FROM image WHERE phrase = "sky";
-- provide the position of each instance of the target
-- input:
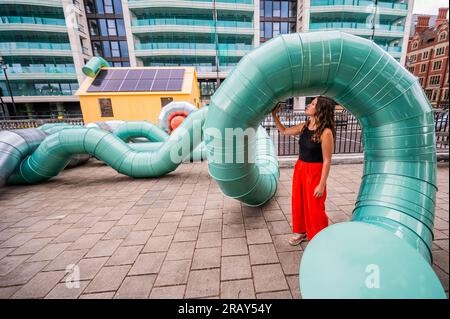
(428, 6)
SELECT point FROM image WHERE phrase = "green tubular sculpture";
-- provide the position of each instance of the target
(392, 225)
(133, 129)
(385, 251)
(55, 151)
(94, 65)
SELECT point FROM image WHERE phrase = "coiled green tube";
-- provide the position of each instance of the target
(393, 218)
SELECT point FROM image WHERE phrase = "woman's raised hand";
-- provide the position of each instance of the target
(276, 109)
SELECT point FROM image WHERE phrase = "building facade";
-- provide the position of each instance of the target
(427, 57)
(277, 17)
(212, 35)
(43, 46)
(107, 31)
(386, 22)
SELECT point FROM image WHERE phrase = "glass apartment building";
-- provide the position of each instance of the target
(212, 35)
(107, 31)
(44, 43)
(43, 46)
(387, 22)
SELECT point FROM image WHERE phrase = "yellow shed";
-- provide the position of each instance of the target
(136, 93)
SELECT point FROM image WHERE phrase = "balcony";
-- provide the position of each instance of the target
(235, 5)
(359, 6)
(44, 3)
(35, 48)
(194, 49)
(362, 29)
(41, 71)
(191, 26)
(21, 23)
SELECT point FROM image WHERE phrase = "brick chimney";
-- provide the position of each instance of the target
(442, 16)
(422, 23)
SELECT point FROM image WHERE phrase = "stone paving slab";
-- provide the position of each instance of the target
(172, 237)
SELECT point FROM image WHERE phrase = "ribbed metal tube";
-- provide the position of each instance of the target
(134, 129)
(16, 145)
(54, 152)
(397, 195)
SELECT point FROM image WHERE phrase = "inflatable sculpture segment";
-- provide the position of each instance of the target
(385, 251)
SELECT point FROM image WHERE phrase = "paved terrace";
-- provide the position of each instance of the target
(171, 237)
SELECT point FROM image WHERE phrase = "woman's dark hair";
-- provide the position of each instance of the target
(324, 117)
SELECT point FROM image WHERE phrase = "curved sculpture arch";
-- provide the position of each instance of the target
(393, 218)
(385, 252)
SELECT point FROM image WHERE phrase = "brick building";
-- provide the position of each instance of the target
(427, 57)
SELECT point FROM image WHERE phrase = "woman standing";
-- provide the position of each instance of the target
(311, 171)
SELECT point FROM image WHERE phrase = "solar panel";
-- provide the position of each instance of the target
(175, 85)
(138, 80)
(129, 85)
(119, 74)
(177, 74)
(112, 85)
(148, 74)
(134, 75)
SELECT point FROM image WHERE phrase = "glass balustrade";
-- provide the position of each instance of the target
(34, 46)
(191, 22)
(354, 25)
(31, 20)
(193, 46)
(361, 3)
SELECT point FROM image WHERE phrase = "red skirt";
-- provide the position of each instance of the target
(308, 212)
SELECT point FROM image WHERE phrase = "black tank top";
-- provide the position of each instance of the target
(310, 151)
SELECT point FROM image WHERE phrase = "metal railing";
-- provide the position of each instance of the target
(14, 124)
(348, 132)
(190, 22)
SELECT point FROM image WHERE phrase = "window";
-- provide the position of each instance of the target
(437, 65)
(165, 101)
(123, 49)
(435, 80)
(425, 54)
(97, 48)
(411, 69)
(284, 28)
(413, 58)
(117, 6)
(429, 93)
(421, 81)
(89, 6)
(268, 29)
(440, 51)
(108, 6)
(276, 9)
(284, 9)
(415, 45)
(445, 95)
(276, 28)
(261, 8)
(261, 29)
(115, 51)
(423, 67)
(103, 27)
(120, 28)
(112, 27)
(106, 48)
(99, 5)
(105, 108)
(268, 9)
(434, 95)
(93, 27)
(443, 36)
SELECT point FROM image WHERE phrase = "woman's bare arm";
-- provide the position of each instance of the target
(327, 152)
(295, 130)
